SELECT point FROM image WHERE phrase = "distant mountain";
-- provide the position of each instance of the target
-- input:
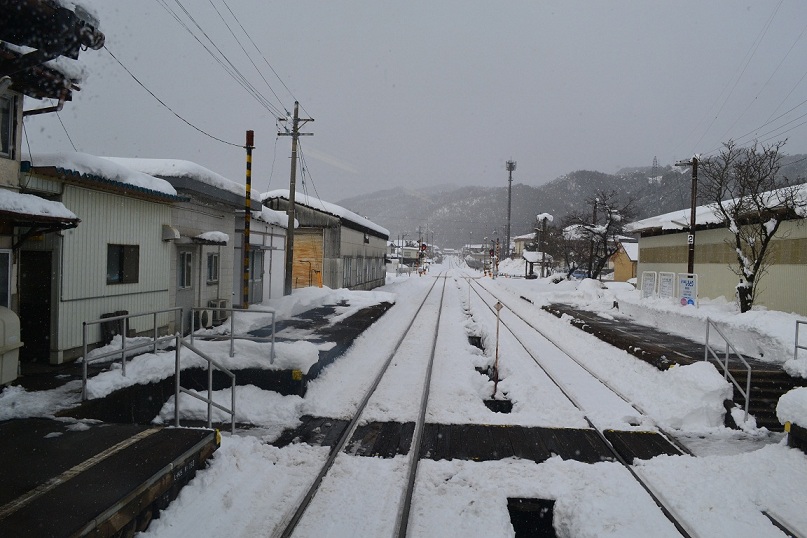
(453, 216)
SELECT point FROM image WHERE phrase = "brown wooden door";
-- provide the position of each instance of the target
(308, 251)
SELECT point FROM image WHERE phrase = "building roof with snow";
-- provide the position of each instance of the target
(705, 215)
(100, 173)
(631, 250)
(349, 218)
(535, 257)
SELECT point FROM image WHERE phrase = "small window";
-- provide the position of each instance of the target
(185, 270)
(212, 268)
(6, 127)
(122, 264)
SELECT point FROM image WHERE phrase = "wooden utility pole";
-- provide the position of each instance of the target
(247, 217)
(693, 202)
(294, 134)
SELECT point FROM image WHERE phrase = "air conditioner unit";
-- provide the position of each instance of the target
(218, 315)
(203, 319)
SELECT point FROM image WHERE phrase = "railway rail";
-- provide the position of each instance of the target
(669, 513)
(414, 332)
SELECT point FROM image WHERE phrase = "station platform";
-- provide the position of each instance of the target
(663, 350)
(65, 478)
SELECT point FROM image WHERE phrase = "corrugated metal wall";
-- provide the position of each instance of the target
(110, 219)
(779, 289)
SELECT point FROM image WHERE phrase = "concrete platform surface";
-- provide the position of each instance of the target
(66, 478)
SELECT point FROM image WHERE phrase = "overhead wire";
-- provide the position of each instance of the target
(749, 55)
(263, 56)
(218, 55)
(245, 50)
(168, 107)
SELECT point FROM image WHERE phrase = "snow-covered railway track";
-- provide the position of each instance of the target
(583, 388)
(418, 340)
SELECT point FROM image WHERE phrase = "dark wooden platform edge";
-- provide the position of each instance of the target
(797, 437)
(134, 512)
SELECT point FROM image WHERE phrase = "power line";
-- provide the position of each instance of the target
(168, 107)
(219, 58)
(65, 132)
(750, 56)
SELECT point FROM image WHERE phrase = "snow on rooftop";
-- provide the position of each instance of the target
(214, 237)
(632, 250)
(704, 214)
(180, 168)
(327, 207)
(534, 257)
(84, 163)
(28, 204)
(270, 216)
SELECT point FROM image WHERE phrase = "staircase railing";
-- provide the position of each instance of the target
(725, 363)
(798, 346)
(179, 389)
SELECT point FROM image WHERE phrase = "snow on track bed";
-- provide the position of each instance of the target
(400, 391)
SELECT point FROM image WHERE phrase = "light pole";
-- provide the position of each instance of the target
(511, 166)
(691, 237)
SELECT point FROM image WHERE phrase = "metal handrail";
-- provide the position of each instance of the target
(232, 335)
(209, 399)
(725, 365)
(122, 352)
(798, 347)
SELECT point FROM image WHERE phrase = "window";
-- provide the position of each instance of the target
(6, 127)
(122, 264)
(5, 278)
(212, 268)
(185, 270)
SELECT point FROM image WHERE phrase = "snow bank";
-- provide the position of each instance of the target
(792, 407)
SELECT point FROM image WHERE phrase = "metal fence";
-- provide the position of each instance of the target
(232, 336)
(126, 347)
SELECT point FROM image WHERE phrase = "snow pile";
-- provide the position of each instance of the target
(304, 299)
(700, 393)
(792, 407)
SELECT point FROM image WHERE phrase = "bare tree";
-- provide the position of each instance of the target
(752, 201)
(601, 231)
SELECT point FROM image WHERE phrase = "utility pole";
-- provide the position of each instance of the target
(247, 218)
(693, 202)
(295, 133)
(510, 166)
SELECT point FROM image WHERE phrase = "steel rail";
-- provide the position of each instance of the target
(414, 452)
(617, 456)
(289, 524)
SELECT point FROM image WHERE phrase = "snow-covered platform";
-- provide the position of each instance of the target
(663, 350)
(67, 478)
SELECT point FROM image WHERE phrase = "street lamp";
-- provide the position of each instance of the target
(691, 237)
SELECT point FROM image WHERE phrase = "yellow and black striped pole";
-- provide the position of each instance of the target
(247, 216)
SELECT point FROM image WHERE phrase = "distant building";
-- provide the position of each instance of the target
(333, 246)
(625, 261)
(663, 247)
(520, 243)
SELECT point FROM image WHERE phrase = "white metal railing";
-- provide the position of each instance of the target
(232, 336)
(179, 389)
(125, 349)
(725, 364)
(798, 345)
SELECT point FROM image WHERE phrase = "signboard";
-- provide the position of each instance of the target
(648, 284)
(688, 289)
(666, 285)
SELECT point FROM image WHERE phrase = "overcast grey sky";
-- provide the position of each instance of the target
(425, 92)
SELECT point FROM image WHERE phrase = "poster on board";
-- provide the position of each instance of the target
(688, 289)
